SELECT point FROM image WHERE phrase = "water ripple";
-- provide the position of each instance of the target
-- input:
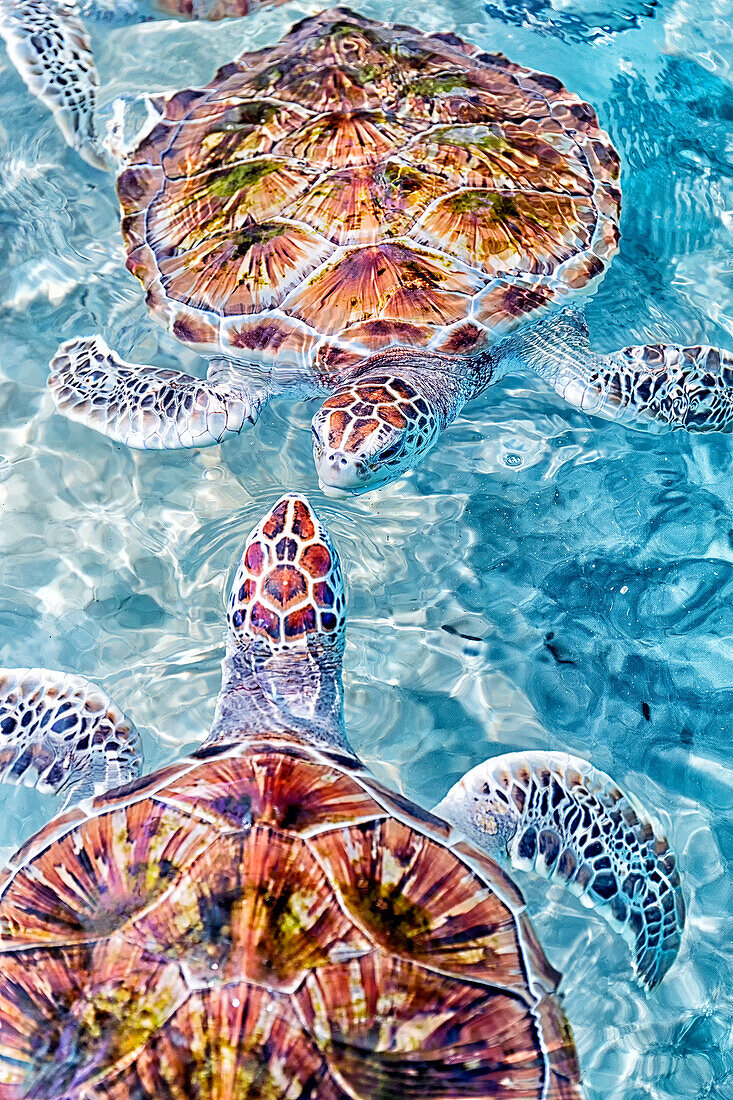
(541, 581)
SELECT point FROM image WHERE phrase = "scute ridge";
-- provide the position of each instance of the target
(383, 910)
(451, 1058)
(383, 111)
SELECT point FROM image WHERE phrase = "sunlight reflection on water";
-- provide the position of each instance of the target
(537, 581)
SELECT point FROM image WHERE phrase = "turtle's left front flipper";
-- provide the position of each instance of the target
(653, 386)
(63, 734)
(562, 818)
(49, 46)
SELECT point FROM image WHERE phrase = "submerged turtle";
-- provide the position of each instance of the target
(366, 212)
(264, 918)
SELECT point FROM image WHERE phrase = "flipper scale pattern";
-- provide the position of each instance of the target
(62, 733)
(143, 406)
(560, 817)
(49, 46)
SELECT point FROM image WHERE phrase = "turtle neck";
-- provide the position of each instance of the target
(296, 691)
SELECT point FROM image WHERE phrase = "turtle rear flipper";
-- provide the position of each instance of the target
(560, 817)
(63, 734)
(149, 407)
(49, 46)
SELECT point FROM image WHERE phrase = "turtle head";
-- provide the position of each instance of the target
(288, 593)
(285, 642)
(371, 431)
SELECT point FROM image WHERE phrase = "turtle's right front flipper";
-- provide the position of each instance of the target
(149, 407)
(63, 734)
(49, 46)
(558, 816)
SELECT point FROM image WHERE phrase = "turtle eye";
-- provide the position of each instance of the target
(391, 451)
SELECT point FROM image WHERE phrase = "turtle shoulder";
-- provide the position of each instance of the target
(359, 185)
(272, 912)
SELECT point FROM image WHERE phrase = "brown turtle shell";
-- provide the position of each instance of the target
(266, 921)
(359, 185)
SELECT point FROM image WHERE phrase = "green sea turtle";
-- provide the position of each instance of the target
(264, 918)
(367, 213)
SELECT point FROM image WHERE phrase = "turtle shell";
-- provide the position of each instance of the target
(266, 921)
(359, 185)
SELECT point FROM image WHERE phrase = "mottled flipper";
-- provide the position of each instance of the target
(149, 407)
(49, 46)
(676, 387)
(562, 818)
(658, 387)
(63, 734)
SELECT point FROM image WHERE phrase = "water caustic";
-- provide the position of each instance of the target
(540, 581)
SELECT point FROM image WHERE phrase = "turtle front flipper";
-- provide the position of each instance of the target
(49, 46)
(149, 407)
(658, 387)
(562, 818)
(669, 386)
(63, 734)
(379, 425)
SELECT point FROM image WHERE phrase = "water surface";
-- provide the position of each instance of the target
(542, 581)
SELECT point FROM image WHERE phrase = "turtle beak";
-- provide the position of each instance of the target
(339, 474)
(346, 472)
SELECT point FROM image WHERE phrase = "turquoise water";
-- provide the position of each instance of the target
(542, 581)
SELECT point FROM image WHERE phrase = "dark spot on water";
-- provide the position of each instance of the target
(459, 633)
(556, 652)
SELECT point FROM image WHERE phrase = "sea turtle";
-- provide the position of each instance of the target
(264, 918)
(363, 211)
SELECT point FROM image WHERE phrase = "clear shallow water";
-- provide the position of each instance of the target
(537, 581)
